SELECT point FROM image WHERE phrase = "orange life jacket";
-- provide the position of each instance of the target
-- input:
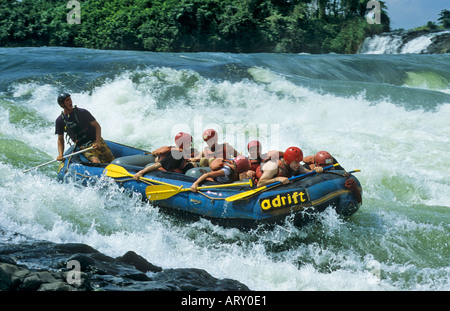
(220, 151)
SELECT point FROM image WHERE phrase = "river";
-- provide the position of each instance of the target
(387, 115)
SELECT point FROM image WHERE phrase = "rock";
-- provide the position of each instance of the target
(439, 44)
(96, 271)
(16, 278)
(139, 262)
(198, 280)
(7, 276)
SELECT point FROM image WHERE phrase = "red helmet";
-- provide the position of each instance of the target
(183, 140)
(242, 164)
(254, 143)
(323, 158)
(293, 154)
(209, 134)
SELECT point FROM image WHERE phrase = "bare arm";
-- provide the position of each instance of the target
(202, 178)
(98, 133)
(60, 148)
(146, 170)
(270, 175)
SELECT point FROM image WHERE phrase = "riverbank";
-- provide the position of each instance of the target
(189, 26)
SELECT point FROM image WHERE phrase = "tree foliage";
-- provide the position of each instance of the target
(293, 26)
(444, 18)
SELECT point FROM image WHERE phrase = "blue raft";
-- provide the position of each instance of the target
(300, 199)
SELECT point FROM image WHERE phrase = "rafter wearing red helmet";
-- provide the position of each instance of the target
(214, 150)
(177, 159)
(256, 157)
(281, 170)
(322, 159)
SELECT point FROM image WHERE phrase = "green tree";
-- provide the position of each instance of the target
(444, 18)
(314, 26)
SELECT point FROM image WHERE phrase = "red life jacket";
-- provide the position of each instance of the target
(255, 163)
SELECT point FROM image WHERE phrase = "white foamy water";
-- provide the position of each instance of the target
(397, 241)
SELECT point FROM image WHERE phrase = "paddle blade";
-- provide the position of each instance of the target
(116, 171)
(245, 194)
(162, 192)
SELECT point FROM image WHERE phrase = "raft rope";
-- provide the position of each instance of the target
(350, 184)
(151, 184)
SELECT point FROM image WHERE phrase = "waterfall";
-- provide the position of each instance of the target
(402, 42)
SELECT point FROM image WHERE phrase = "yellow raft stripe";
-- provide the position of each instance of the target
(321, 200)
(329, 196)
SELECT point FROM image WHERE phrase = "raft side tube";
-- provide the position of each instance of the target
(196, 172)
(135, 160)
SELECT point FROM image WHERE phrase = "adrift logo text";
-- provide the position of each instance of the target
(299, 197)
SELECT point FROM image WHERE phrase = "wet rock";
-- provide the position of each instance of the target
(139, 262)
(439, 44)
(18, 278)
(197, 280)
(43, 267)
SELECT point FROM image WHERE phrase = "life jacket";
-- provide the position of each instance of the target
(219, 163)
(310, 163)
(283, 169)
(193, 153)
(255, 163)
(309, 160)
(220, 151)
(78, 133)
(164, 151)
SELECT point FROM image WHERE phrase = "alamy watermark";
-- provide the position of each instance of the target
(74, 16)
(74, 276)
(374, 15)
(237, 135)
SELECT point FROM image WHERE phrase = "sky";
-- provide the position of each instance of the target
(410, 14)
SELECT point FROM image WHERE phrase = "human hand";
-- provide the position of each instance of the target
(194, 187)
(283, 180)
(138, 175)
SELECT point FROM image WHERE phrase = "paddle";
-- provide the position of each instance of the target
(116, 171)
(66, 156)
(246, 194)
(161, 192)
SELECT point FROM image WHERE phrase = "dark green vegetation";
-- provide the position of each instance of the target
(293, 26)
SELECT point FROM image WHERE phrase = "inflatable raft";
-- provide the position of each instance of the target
(235, 204)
